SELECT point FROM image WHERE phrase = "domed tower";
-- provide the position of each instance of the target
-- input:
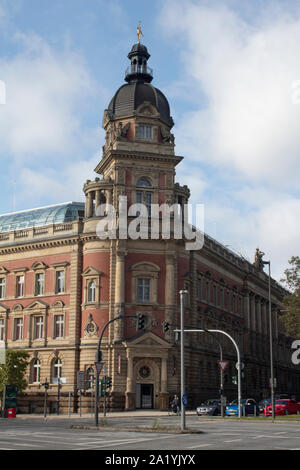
(137, 275)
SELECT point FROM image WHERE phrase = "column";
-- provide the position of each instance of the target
(170, 294)
(247, 310)
(119, 295)
(258, 311)
(98, 200)
(130, 393)
(253, 313)
(164, 396)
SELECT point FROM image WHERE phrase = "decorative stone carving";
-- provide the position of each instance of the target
(91, 327)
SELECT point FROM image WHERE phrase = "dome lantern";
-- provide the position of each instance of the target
(138, 70)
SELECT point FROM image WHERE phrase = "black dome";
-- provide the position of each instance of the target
(138, 88)
(130, 96)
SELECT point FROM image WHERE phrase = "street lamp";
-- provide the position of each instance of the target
(271, 342)
(182, 294)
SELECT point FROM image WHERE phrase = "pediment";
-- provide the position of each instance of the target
(147, 109)
(37, 305)
(147, 340)
(145, 266)
(58, 304)
(90, 271)
(3, 308)
(3, 270)
(39, 265)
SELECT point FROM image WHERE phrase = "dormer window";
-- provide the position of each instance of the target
(145, 132)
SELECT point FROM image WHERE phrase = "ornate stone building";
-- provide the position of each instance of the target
(60, 282)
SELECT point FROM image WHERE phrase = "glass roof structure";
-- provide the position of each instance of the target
(55, 214)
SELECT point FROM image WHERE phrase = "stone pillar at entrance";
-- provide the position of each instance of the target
(130, 393)
(164, 396)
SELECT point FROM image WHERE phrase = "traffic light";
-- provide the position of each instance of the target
(108, 382)
(140, 323)
(46, 385)
(165, 326)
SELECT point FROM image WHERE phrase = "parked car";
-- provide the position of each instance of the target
(248, 407)
(283, 407)
(263, 403)
(267, 401)
(210, 407)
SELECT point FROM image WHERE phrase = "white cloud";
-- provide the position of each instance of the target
(243, 131)
(46, 95)
(247, 74)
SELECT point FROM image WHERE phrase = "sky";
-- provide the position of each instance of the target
(230, 71)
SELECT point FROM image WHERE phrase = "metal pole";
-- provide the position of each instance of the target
(69, 405)
(182, 293)
(58, 394)
(238, 358)
(45, 401)
(104, 393)
(271, 344)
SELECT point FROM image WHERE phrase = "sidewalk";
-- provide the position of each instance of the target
(113, 414)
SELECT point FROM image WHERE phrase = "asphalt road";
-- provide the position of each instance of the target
(213, 434)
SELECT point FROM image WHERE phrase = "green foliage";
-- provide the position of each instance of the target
(291, 303)
(14, 371)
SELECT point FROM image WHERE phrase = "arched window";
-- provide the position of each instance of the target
(36, 371)
(144, 182)
(92, 291)
(57, 369)
(142, 196)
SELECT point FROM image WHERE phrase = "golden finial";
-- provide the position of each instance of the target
(139, 32)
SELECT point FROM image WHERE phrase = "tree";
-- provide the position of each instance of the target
(14, 370)
(291, 303)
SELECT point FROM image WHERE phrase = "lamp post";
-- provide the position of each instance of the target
(271, 342)
(182, 392)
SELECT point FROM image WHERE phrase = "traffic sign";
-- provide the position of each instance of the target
(80, 380)
(184, 399)
(223, 365)
(99, 366)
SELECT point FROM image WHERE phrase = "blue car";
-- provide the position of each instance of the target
(248, 407)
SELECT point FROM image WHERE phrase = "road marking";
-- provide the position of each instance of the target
(127, 441)
(199, 445)
(234, 440)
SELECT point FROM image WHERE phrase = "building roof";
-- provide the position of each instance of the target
(41, 216)
(129, 97)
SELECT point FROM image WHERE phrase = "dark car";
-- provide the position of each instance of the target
(211, 407)
(263, 403)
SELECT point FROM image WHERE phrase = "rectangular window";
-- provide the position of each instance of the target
(145, 132)
(39, 283)
(38, 327)
(221, 298)
(2, 325)
(143, 290)
(2, 287)
(199, 289)
(207, 292)
(60, 282)
(20, 286)
(58, 326)
(214, 295)
(148, 202)
(18, 329)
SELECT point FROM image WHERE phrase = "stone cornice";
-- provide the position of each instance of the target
(136, 155)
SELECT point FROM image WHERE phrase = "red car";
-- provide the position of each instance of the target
(283, 407)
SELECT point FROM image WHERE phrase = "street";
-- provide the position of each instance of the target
(212, 434)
